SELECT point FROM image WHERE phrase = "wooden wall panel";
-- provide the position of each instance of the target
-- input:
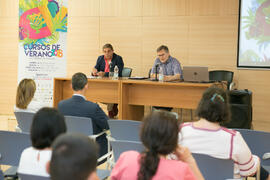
(120, 7)
(258, 83)
(8, 63)
(165, 7)
(170, 31)
(83, 8)
(125, 36)
(204, 7)
(9, 8)
(213, 7)
(213, 40)
(83, 44)
(229, 7)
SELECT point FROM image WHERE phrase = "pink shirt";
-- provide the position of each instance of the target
(107, 64)
(127, 167)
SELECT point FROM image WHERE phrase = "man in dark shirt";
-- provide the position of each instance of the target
(77, 105)
(105, 64)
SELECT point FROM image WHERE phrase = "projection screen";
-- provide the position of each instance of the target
(254, 34)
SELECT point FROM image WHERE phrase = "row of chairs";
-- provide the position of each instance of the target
(124, 132)
(74, 124)
(129, 130)
(125, 136)
(211, 168)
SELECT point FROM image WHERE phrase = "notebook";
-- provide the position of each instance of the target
(195, 74)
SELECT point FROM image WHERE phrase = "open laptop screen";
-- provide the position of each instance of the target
(195, 74)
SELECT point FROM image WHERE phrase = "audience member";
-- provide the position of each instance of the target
(105, 64)
(77, 105)
(207, 136)
(47, 124)
(25, 97)
(74, 157)
(159, 135)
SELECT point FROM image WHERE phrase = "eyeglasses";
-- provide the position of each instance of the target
(160, 55)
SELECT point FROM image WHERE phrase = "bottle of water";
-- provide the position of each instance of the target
(160, 74)
(115, 73)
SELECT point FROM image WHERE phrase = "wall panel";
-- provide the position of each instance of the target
(229, 7)
(170, 31)
(165, 7)
(83, 44)
(8, 63)
(258, 83)
(213, 40)
(204, 7)
(9, 8)
(120, 7)
(83, 8)
(125, 36)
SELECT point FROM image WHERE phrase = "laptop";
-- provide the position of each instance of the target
(195, 74)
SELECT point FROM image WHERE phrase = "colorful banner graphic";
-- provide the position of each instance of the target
(42, 44)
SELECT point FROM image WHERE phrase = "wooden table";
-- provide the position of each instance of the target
(133, 95)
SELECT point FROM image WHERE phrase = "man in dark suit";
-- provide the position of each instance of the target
(77, 105)
(106, 64)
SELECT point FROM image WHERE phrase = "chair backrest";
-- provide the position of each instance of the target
(1, 175)
(32, 177)
(11, 146)
(126, 130)
(221, 75)
(126, 72)
(79, 125)
(122, 146)
(24, 120)
(214, 168)
(258, 142)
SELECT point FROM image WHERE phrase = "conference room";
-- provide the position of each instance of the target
(49, 41)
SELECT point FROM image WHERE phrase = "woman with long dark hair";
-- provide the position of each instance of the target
(48, 123)
(159, 135)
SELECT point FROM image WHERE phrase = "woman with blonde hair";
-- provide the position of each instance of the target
(25, 96)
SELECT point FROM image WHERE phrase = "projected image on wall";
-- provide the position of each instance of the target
(254, 34)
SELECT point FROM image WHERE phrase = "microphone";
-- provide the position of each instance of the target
(156, 67)
(110, 66)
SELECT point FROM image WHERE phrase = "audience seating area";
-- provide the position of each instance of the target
(258, 142)
(12, 145)
(124, 136)
(213, 168)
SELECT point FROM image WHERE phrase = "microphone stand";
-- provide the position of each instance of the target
(156, 79)
(156, 68)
